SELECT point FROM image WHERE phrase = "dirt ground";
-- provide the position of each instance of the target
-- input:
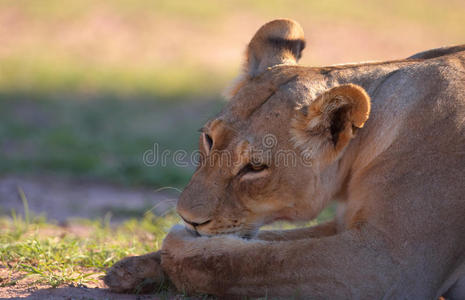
(27, 289)
(63, 198)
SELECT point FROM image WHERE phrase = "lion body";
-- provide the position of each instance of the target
(398, 179)
(400, 185)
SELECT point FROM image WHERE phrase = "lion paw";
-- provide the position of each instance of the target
(136, 274)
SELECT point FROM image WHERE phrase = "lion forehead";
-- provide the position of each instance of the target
(284, 88)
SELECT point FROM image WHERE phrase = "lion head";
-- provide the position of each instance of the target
(273, 151)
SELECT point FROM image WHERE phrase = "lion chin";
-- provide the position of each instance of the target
(383, 141)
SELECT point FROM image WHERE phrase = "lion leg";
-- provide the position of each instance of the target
(344, 266)
(321, 230)
(136, 274)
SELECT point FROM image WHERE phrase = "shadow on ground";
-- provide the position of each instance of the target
(91, 293)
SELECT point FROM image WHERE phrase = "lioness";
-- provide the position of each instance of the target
(395, 165)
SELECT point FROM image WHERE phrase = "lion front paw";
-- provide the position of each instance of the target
(136, 274)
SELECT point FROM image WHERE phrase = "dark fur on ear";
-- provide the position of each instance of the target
(325, 126)
(294, 46)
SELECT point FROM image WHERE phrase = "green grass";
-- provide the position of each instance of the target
(52, 75)
(76, 99)
(102, 139)
(70, 112)
(54, 255)
(32, 248)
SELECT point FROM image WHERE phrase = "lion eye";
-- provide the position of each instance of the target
(254, 168)
(208, 142)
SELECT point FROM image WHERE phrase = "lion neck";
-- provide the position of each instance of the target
(379, 132)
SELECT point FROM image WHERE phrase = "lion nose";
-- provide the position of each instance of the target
(193, 214)
(194, 206)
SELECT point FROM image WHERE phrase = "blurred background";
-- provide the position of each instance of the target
(87, 87)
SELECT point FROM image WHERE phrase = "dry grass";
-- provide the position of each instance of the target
(181, 48)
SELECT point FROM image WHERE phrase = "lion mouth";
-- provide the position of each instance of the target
(244, 234)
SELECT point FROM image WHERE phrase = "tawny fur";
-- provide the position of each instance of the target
(398, 183)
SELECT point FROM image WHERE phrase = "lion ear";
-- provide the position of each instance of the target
(280, 41)
(325, 127)
(277, 42)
